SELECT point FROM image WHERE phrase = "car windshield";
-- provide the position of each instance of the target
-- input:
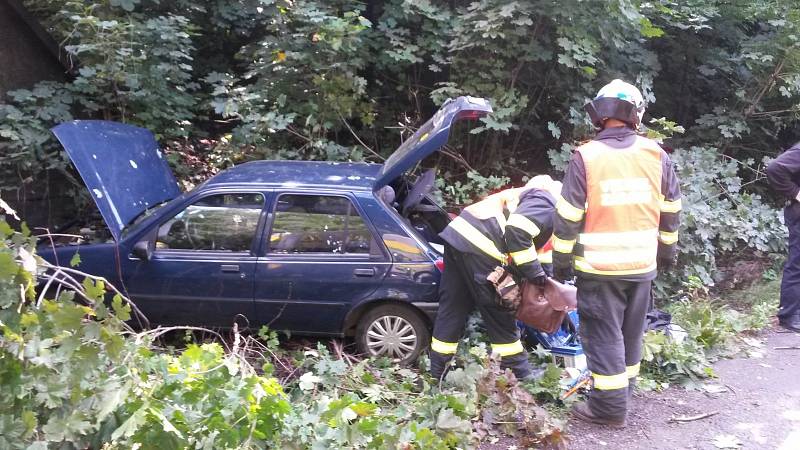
(143, 215)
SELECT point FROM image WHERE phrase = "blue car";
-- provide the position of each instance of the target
(313, 248)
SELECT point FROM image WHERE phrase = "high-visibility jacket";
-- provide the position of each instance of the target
(629, 212)
(511, 227)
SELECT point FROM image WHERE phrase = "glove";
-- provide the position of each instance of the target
(562, 274)
(539, 280)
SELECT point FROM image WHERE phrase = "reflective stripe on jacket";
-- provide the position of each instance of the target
(623, 205)
(509, 227)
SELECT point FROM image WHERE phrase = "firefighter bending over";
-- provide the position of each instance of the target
(617, 221)
(506, 228)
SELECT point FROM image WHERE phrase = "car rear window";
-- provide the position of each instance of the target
(319, 224)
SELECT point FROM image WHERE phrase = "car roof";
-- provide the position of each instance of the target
(325, 174)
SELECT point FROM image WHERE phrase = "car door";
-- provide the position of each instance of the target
(202, 268)
(320, 258)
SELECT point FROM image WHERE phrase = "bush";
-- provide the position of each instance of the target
(74, 374)
(719, 216)
(713, 329)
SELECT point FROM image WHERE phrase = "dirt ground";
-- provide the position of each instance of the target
(757, 406)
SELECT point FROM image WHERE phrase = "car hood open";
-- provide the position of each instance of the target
(431, 136)
(121, 165)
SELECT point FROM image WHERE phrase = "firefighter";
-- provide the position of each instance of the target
(616, 223)
(783, 174)
(505, 229)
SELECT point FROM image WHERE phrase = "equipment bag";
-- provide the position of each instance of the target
(541, 308)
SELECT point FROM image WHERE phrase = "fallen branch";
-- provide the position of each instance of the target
(68, 273)
(683, 419)
(791, 347)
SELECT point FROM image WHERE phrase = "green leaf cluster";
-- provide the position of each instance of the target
(349, 80)
(712, 330)
(75, 376)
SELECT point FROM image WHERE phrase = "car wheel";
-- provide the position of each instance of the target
(394, 331)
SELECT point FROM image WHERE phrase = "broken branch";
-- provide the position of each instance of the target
(683, 419)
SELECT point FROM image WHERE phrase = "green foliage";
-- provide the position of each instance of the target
(366, 405)
(713, 329)
(347, 80)
(201, 398)
(74, 374)
(666, 361)
(376, 404)
(475, 186)
(719, 218)
(133, 67)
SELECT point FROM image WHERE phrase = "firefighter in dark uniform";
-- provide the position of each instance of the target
(616, 223)
(783, 174)
(505, 229)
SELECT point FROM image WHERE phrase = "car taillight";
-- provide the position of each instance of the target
(471, 115)
(439, 264)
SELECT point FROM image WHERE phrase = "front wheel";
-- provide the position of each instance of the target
(394, 331)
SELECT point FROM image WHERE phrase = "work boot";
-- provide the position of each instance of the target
(631, 389)
(582, 412)
(440, 364)
(791, 323)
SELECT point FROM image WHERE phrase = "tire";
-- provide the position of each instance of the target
(402, 331)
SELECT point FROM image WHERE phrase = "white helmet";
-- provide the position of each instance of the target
(617, 100)
(546, 183)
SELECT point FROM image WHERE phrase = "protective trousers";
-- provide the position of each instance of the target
(464, 288)
(612, 316)
(790, 284)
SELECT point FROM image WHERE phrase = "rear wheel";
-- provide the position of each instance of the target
(394, 331)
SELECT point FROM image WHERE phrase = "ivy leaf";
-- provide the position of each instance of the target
(69, 316)
(308, 380)
(121, 309)
(131, 425)
(8, 267)
(554, 130)
(363, 409)
(448, 421)
(30, 421)
(168, 426)
(95, 290)
(5, 229)
(127, 5)
(649, 30)
(75, 261)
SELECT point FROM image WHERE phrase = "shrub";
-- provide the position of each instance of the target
(74, 374)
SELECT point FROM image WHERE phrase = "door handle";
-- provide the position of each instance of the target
(229, 268)
(364, 272)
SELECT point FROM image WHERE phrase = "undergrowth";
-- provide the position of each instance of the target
(74, 375)
(713, 329)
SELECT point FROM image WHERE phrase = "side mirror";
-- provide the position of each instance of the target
(142, 250)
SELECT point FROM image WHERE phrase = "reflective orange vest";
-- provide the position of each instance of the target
(623, 204)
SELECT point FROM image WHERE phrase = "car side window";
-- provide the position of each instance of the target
(222, 222)
(319, 224)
